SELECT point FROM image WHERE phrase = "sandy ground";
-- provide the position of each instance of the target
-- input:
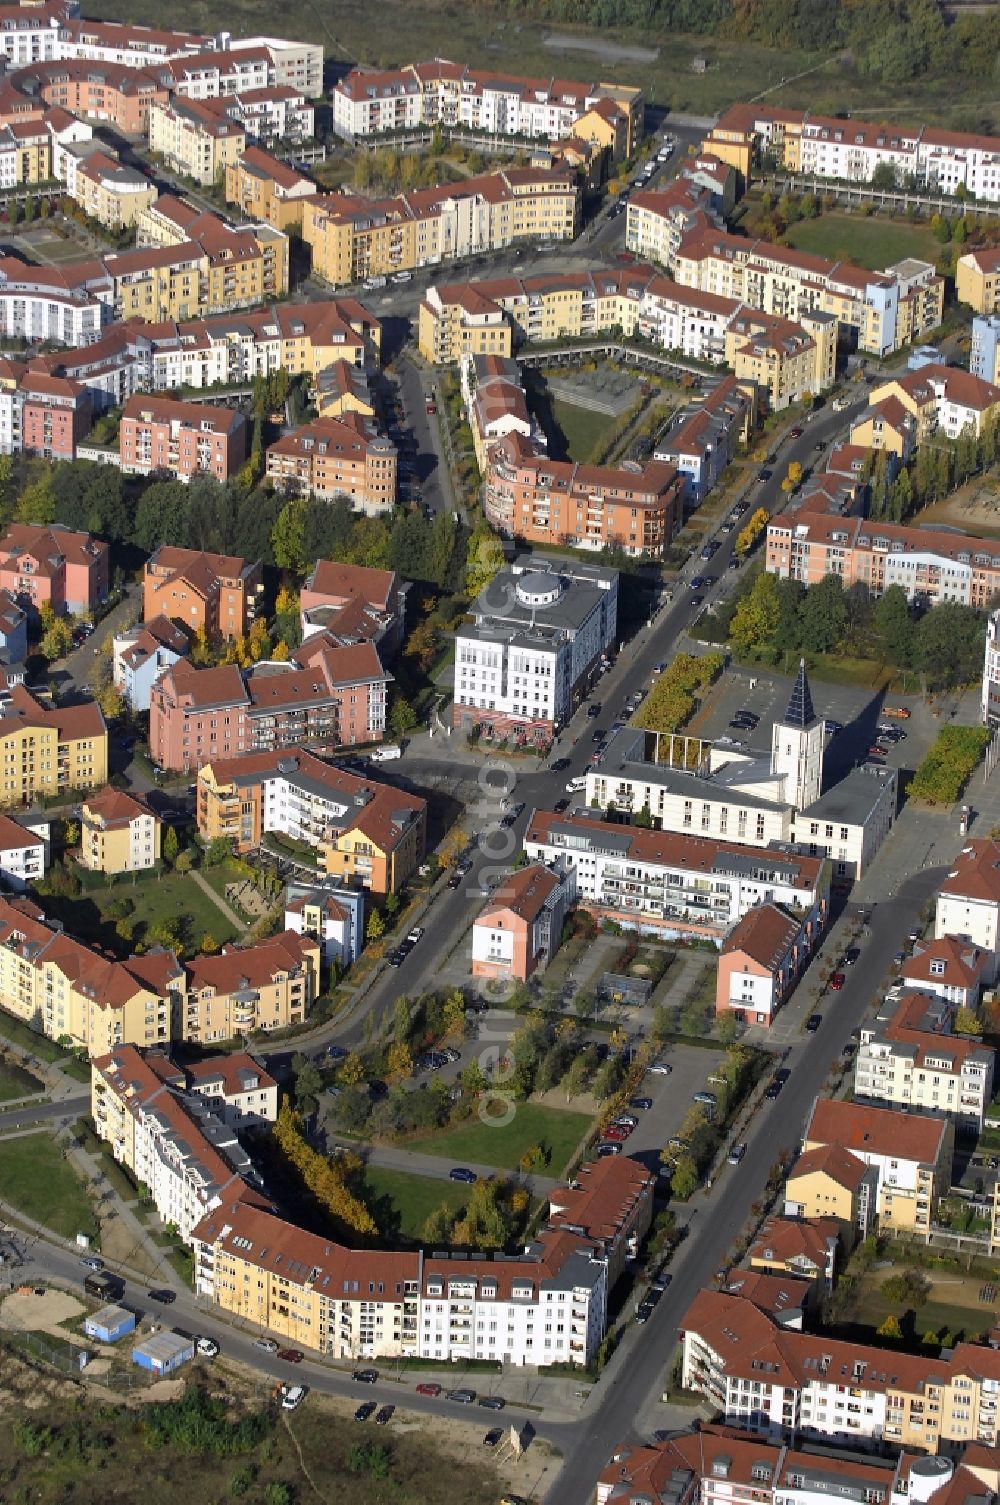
(118, 1243)
(974, 507)
(40, 1314)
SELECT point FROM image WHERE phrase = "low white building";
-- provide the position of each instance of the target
(952, 968)
(24, 852)
(333, 915)
(540, 629)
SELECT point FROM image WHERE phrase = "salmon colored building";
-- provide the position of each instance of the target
(761, 961)
(214, 593)
(518, 932)
(56, 414)
(182, 439)
(54, 567)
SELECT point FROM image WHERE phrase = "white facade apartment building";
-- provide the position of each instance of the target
(671, 883)
(968, 904)
(37, 305)
(538, 629)
(23, 853)
(236, 1088)
(901, 1064)
(547, 1308)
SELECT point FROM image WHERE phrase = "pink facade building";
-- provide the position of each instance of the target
(328, 696)
(53, 566)
(182, 439)
(56, 414)
(761, 961)
(519, 930)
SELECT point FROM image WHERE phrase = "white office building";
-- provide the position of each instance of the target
(540, 630)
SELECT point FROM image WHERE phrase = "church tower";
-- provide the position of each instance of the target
(797, 746)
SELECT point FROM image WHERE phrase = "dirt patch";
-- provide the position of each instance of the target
(40, 1314)
(610, 52)
(973, 508)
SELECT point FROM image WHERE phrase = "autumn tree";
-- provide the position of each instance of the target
(171, 845)
(326, 1180)
(375, 929)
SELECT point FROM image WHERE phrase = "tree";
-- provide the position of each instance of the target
(57, 639)
(749, 535)
(288, 538)
(684, 1181)
(402, 716)
(170, 846)
(375, 929)
(884, 175)
(401, 1020)
(437, 1226)
(399, 1061)
(894, 626)
(484, 561)
(756, 616)
(218, 849)
(37, 503)
(574, 1082)
(352, 1071)
(966, 1022)
(111, 701)
(890, 1329)
(823, 615)
(949, 645)
(71, 833)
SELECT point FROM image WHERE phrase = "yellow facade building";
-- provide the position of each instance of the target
(352, 238)
(264, 188)
(119, 833)
(977, 280)
(194, 140)
(49, 750)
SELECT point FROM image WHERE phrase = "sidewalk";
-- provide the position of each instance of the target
(220, 903)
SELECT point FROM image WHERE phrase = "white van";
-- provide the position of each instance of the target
(293, 1397)
(576, 783)
(371, 283)
(386, 753)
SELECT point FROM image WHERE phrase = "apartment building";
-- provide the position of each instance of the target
(774, 1382)
(108, 93)
(704, 438)
(518, 930)
(367, 102)
(353, 602)
(912, 1154)
(761, 960)
(141, 655)
(67, 305)
(351, 237)
(213, 74)
(977, 282)
(952, 968)
(991, 672)
(675, 885)
(632, 506)
(831, 1182)
(610, 1202)
(367, 834)
(25, 153)
(901, 1063)
(539, 630)
(930, 566)
(236, 1088)
(337, 457)
(879, 311)
(241, 265)
(495, 404)
(195, 139)
(968, 901)
(49, 750)
(333, 915)
(326, 696)
(264, 188)
(217, 594)
(110, 193)
(849, 150)
(24, 852)
(60, 988)
(270, 985)
(13, 637)
(168, 1138)
(943, 400)
(119, 833)
(802, 1248)
(181, 439)
(782, 360)
(55, 415)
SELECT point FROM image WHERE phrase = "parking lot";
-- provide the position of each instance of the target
(691, 1070)
(858, 710)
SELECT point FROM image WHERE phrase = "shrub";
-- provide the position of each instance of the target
(949, 764)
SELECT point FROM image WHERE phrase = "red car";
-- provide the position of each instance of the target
(618, 1132)
(428, 1389)
(795, 434)
(625, 256)
(877, 750)
(837, 981)
(291, 1355)
(431, 407)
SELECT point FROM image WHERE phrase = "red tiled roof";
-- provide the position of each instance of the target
(875, 1131)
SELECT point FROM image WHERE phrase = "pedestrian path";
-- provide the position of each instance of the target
(219, 902)
(90, 1169)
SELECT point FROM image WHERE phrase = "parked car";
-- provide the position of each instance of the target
(92, 1263)
(643, 1312)
(642, 1103)
(493, 1436)
(736, 1154)
(560, 806)
(368, 1408)
(166, 1298)
(268, 1345)
(365, 1376)
(559, 765)
(462, 1397)
(813, 1023)
(492, 1402)
(429, 1388)
(897, 712)
(594, 709)
(291, 1355)
(660, 1068)
(608, 1148)
(460, 1173)
(617, 1133)
(336, 1052)
(837, 981)
(384, 1416)
(207, 1347)
(292, 1397)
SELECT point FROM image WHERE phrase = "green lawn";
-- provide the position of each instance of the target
(401, 1203)
(16, 1082)
(502, 1146)
(156, 898)
(581, 429)
(873, 243)
(36, 1180)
